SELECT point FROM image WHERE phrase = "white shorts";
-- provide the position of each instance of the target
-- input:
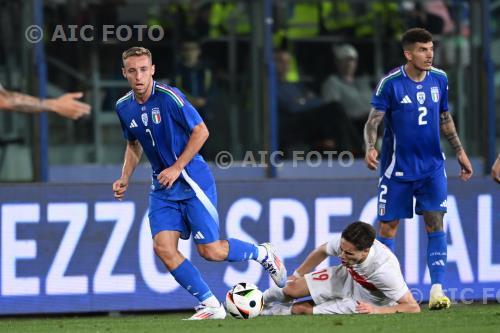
(331, 290)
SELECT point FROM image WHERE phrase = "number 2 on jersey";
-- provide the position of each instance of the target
(423, 113)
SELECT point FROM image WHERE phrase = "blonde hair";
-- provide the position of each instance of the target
(136, 51)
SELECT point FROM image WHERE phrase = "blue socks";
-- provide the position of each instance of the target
(241, 251)
(389, 242)
(436, 256)
(189, 278)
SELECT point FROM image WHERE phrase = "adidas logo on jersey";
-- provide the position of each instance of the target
(406, 100)
(443, 204)
(133, 124)
(199, 235)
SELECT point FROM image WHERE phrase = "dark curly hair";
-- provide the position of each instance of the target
(415, 35)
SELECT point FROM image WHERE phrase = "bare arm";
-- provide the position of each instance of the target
(198, 136)
(406, 304)
(66, 105)
(370, 135)
(133, 154)
(371, 127)
(313, 259)
(448, 129)
(14, 101)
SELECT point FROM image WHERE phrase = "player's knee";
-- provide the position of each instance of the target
(388, 230)
(211, 252)
(433, 221)
(433, 228)
(387, 233)
(165, 251)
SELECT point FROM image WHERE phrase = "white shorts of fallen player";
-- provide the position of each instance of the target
(334, 291)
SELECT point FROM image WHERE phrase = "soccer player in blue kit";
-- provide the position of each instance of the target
(413, 101)
(158, 120)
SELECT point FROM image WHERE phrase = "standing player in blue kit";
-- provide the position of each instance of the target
(158, 119)
(413, 101)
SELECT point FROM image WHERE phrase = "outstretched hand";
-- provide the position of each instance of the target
(68, 106)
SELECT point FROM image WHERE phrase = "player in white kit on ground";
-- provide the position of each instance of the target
(369, 280)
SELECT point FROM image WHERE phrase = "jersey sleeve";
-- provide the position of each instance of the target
(184, 113)
(380, 98)
(333, 247)
(390, 281)
(444, 98)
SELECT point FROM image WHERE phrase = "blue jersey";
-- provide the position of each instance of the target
(163, 125)
(411, 147)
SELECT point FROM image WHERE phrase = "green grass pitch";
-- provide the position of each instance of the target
(474, 318)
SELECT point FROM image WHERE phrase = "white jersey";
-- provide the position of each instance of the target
(378, 279)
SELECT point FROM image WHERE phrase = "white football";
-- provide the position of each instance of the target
(244, 301)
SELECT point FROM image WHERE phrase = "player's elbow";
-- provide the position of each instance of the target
(412, 308)
(408, 304)
(415, 308)
(201, 130)
(205, 132)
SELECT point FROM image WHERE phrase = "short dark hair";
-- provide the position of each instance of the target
(415, 35)
(359, 234)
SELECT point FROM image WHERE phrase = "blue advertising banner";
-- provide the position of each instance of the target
(72, 248)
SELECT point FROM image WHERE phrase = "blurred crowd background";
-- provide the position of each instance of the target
(328, 57)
